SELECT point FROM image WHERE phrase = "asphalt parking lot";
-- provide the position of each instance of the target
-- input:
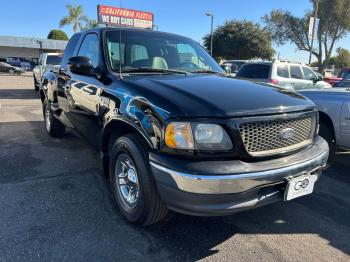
(55, 205)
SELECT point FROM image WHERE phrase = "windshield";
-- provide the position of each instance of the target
(159, 51)
(345, 82)
(53, 60)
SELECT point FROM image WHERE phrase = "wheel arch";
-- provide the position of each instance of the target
(112, 131)
(324, 118)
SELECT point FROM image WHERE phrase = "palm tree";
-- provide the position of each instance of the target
(92, 23)
(75, 17)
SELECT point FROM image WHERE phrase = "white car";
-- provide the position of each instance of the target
(47, 61)
(289, 75)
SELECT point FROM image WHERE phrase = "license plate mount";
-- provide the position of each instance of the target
(300, 186)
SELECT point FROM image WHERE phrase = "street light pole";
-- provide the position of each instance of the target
(211, 31)
(313, 30)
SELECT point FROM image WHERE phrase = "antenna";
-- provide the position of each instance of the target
(120, 47)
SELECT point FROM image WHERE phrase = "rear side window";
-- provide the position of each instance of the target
(69, 51)
(254, 71)
(282, 71)
(295, 72)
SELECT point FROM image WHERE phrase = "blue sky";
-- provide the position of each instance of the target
(36, 18)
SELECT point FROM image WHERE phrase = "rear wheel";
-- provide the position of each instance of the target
(132, 182)
(52, 125)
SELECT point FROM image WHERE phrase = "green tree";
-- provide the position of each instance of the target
(240, 40)
(342, 59)
(75, 17)
(334, 25)
(56, 34)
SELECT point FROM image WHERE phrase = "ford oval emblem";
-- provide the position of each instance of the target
(287, 133)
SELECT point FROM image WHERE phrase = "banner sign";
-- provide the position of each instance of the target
(115, 16)
(311, 26)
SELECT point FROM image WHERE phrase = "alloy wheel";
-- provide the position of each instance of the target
(127, 181)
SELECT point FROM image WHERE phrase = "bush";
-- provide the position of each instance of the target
(57, 35)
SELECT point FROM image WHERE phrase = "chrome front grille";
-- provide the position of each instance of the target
(262, 138)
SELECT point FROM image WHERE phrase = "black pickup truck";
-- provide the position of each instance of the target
(175, 132)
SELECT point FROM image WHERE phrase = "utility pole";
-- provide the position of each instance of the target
(313, 30)
(211, 31)
(40, 42)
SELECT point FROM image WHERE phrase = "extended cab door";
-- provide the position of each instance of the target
(64, 81)
(84, 92)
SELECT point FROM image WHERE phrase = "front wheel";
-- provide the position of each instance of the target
(132, 182)
(11, 71)
(52, 125)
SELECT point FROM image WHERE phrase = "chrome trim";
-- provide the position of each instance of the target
(238, 183)
(259, 144)
(281, 150)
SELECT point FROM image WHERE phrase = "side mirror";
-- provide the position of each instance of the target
(319, 78)
(227, 69)
(313, 78)
(81, 65)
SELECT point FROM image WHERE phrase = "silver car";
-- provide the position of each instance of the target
(289, 75)
(334, 110)
(47, 61)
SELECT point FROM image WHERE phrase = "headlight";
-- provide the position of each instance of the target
(184, 135)
(211, 137)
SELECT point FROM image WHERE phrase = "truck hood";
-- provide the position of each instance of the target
(219, 96)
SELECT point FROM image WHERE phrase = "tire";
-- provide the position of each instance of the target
(52, 125)
(147, 208)
(327, 133)
(36, 84)
(11, 71)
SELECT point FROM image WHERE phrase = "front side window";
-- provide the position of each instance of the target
(69, 51)
(295, 72)
(309, 74)
(89, 48)
(147, 49)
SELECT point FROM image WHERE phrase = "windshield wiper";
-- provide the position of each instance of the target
(205, 71)
(152, 70)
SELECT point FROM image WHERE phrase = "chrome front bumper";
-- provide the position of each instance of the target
(239, 177)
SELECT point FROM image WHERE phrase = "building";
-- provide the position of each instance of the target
(28, 48)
